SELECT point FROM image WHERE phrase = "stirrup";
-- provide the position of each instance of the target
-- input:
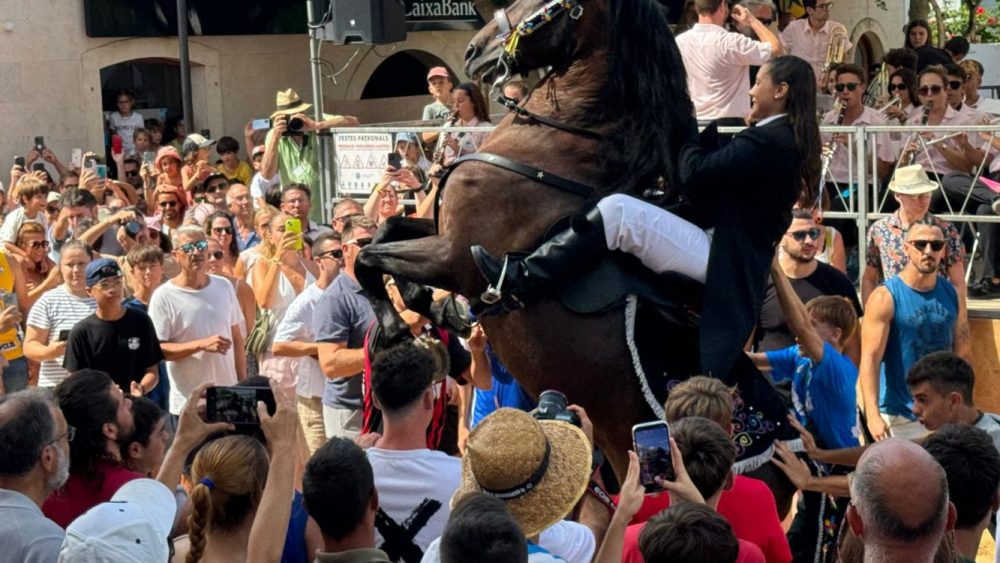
(494, 294)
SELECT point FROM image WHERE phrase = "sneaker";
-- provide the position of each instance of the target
(984, 289)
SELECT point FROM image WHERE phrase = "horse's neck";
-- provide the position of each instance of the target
(574, 95)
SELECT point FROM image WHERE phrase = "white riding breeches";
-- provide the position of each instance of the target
(662, 241)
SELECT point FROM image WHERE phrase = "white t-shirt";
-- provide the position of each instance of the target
(990, 423)
(564, 541)
(125, 127)
(296, 326)
(413, 486)
(55, 311)
(259, 184)
(182, 315)
(13, 222)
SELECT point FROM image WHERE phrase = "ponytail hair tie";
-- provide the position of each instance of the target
(207, 482)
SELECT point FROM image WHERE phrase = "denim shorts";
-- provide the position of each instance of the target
(15, 375)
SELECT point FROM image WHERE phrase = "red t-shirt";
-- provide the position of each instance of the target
(748, 507)
(79, 496)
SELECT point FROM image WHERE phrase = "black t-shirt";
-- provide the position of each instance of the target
(772, 330)
(928, 55)
(124, 349)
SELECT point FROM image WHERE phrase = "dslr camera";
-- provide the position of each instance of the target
(295, 125)
(552, 406)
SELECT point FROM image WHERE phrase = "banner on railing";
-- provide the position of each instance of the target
(361, 161)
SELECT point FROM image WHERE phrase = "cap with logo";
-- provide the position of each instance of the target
(102, 269)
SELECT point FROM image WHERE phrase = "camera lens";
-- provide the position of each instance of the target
(552, 402)
(132, 228)
(295, 124)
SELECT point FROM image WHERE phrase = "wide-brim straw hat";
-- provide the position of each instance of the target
(288, 103)
(911, 180)
(505, 457)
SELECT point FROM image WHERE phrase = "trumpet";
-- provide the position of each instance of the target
(439, 152)
(878, 90)
(895, 101)
(835, 49)
(828, 153)
(925, 114)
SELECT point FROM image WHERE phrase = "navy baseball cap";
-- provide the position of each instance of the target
(102, 269)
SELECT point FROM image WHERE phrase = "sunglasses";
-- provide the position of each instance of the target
(346, 217)
(222, 230)
(131, 173)
(218, 255)
(921, 245)
(192, 247)
(851, 86)
(336, 254)
(36, 244)
(930, 90)
(800, 236)
(954, 84)
(164, 204)
(897, 87)
(766, 21)
(360, 242)
(52, 209)
(216, 188)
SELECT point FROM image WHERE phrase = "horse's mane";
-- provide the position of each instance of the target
(647, 77)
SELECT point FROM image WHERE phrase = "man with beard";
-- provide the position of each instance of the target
(100, 415)
(34, 462)
(198, 321)
(913, 314)
(809, 277)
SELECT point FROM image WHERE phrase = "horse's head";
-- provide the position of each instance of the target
(530, 34)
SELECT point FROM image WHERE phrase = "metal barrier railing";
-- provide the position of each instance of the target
(863, 143)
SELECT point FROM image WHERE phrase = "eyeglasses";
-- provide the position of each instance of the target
(131, 173)
(170, 203)
(851, 86)
(36, 244)
(954, 84)
(68, 186)
(359, 242)
(222, 230)
(800, 236)
(930, 90)
(216, 188)
(336, 254)
(218, 255)
(346, 217)
(897, 87)
(192, 247)
(70, 433)
(52, 209)
(921, 245)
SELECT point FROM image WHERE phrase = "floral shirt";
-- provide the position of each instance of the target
(887, 240)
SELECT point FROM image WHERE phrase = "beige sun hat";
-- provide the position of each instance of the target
(539, 468)
(911, 180)
(289, 103)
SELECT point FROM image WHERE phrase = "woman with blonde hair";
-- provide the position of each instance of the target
(249, 257)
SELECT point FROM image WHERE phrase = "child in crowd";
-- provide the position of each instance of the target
(234, 169)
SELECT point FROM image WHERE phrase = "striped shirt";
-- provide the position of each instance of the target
(55, 311)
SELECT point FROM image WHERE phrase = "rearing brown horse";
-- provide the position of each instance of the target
(618, 95)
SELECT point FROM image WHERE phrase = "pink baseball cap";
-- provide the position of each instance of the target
(438, 71)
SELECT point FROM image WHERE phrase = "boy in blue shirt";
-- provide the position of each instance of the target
(824, 397)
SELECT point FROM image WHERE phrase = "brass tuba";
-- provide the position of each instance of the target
(877, 93)
(835, 49)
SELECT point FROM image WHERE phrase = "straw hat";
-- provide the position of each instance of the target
(540, 469)
(289, 103)
(911, 180)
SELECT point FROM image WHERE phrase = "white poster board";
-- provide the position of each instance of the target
(361, 161)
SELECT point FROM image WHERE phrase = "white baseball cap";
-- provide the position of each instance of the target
(132, 526)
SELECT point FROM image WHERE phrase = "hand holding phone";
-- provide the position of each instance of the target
(395, 160)
(237, 405)
(652, 444)
(260, 124)
(19, 161)
(39, 144)
(295, 226)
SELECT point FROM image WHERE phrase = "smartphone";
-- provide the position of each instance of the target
(295, 226)
(39, 144)
(101, 170)
(76, 159)
(260, 124)
(651, 441)
(19, 161)
(63, 335)
(38, 166)
(148, 158)
(237, 405)
(395, 160)
(116, 144)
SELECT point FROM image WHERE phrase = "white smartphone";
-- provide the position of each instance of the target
(260, 124)
(76, 160)
(651, 441)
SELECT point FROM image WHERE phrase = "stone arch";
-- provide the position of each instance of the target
(402, 74)
(205, 79)
(869, 38)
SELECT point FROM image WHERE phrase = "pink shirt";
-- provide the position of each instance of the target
(718, 69)
(937, 163)
(800, 40)
(838, 167)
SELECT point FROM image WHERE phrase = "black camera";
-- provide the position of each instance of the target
(132, 229)
(552, 406)
(295, 125)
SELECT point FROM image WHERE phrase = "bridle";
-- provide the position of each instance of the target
(511, 37)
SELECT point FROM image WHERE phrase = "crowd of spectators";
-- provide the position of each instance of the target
(130, 302)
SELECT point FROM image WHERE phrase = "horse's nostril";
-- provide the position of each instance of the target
(471, 52)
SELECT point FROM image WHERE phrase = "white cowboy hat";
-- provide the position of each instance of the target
(911, 180)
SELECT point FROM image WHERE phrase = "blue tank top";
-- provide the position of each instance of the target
(505, 392)
(923, 322)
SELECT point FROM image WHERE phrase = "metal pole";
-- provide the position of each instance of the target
(324, 138)
(185, 62)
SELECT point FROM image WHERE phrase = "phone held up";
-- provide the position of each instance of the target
(237, 405)
(651, 441)
(260, 124)
(19, 161)
(395, 160)
(39, 144)
(295, 226)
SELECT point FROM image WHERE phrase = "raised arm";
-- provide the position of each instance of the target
(810, 344)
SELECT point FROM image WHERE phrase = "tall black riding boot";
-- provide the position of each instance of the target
(569, 252)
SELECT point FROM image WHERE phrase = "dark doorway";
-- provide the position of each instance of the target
(402, 74)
